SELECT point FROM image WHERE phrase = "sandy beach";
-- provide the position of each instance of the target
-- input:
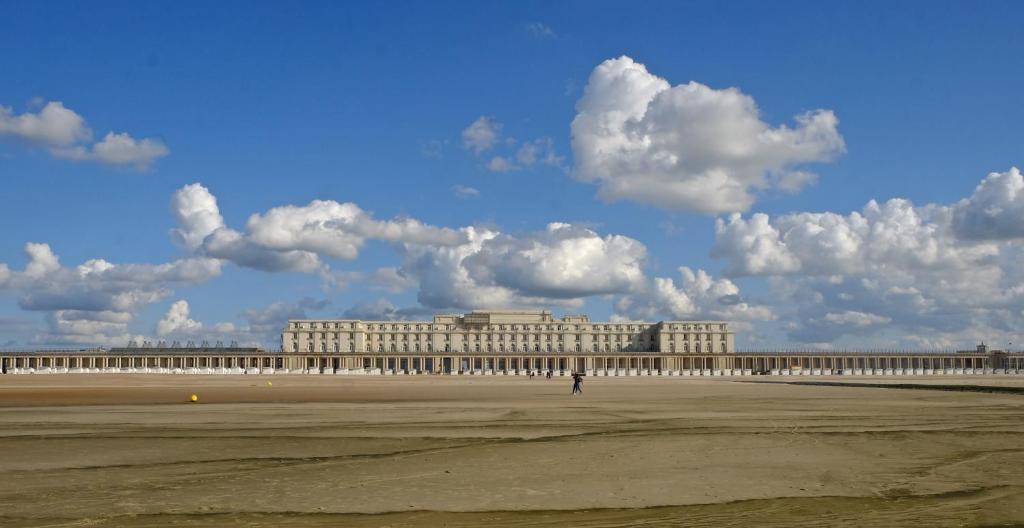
(100, 450)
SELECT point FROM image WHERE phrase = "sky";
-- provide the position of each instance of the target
(821, 175)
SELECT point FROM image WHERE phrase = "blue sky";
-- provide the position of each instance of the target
(271, 105)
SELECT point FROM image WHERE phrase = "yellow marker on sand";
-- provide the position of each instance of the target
(194, 398)
(270, 384)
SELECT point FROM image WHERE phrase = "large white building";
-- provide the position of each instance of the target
(505, 332)
(506, 341)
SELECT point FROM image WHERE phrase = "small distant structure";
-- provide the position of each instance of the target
(982, 348)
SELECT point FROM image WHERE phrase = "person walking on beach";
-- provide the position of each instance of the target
(577, 383)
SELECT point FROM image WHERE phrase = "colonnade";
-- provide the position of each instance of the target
(765, 364)
(136, 363)
(636, 364)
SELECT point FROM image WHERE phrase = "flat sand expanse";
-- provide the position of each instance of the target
(101, 450)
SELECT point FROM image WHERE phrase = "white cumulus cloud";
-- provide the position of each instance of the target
(118, 149)
(558, 266)
(689, 146)
(177, 321)
(65, 134)
(563, 261)
(500, 164)
(94, 302)
(195, 209)
(996, 209)
(54, 125)
(481, 134)
(698, 295)
(291, 238)
(855, 318)
(923, 270)
(465, 191)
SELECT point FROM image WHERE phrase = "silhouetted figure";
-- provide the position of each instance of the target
(577, 383)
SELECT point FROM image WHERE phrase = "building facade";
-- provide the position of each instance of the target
(505, 332)
(504, 342)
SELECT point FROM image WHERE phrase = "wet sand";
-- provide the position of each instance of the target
(99, 450)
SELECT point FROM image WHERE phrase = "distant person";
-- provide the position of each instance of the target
(548, 375)
(577, 383)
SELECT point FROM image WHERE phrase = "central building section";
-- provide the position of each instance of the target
(505, 332)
